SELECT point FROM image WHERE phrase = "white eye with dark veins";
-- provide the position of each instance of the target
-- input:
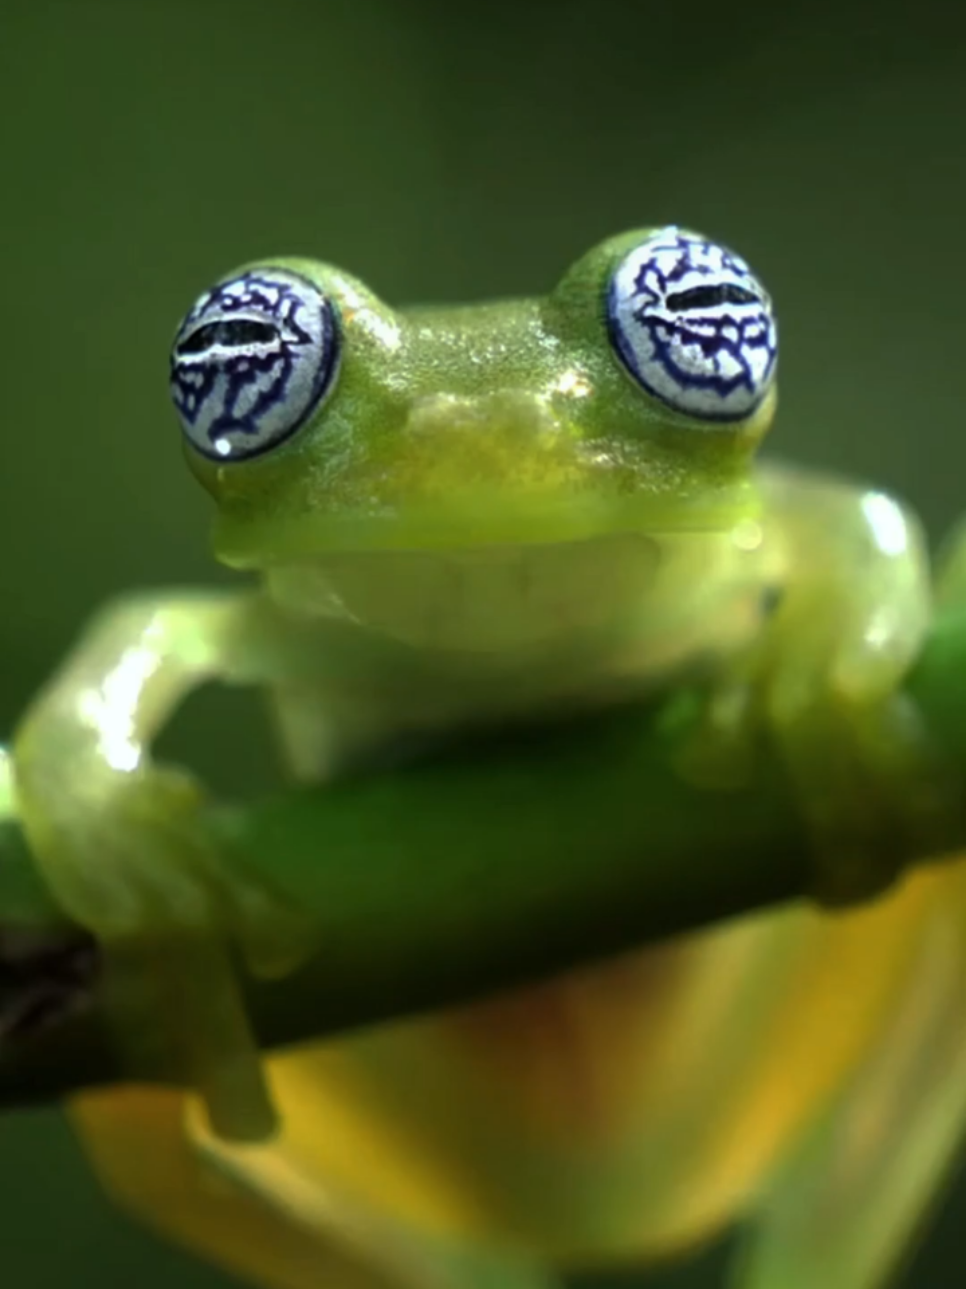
(693, 325)
(251, 361)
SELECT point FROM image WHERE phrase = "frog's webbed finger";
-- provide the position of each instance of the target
(848, 1205)
(121, 841)
(253, 1210)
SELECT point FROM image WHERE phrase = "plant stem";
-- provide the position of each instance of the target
(492, 865)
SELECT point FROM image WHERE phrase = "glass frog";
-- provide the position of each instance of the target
(478, 515)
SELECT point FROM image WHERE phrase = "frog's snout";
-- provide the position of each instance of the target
(488, 417)
(508, 444)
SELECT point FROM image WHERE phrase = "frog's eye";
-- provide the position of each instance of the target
(251, 361)
(693, 325)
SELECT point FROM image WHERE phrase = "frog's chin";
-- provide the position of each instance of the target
(251, 541)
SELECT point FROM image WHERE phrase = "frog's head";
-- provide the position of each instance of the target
(630, 399)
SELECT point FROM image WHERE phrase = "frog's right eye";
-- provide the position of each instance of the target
(251, 361)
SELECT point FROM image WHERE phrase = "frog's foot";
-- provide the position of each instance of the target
(129, 858)
(821, 691)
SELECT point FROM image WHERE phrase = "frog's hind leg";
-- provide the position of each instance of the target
(848, 1206)
(283, 1233)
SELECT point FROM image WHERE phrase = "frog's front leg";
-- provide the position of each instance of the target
(121, 840)
(853, 607)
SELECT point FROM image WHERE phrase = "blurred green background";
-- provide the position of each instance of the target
(442, 151)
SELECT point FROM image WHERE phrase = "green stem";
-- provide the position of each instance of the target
(492, 865)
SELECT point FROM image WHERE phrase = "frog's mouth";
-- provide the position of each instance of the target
(251, 542)
(465, 474)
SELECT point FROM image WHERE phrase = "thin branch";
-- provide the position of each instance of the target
(434, 883)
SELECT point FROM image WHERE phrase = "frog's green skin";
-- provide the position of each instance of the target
(486, 516)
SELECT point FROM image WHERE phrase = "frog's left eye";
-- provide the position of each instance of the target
(251, 361)
(693, 325)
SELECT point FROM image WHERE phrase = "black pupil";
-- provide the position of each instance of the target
(704, 297)
(228, 331)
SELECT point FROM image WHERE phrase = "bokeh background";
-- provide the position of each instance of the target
(442, 150)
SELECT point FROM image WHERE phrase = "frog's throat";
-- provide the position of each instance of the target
(572, 604)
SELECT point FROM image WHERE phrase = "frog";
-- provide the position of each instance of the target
(466, 518)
